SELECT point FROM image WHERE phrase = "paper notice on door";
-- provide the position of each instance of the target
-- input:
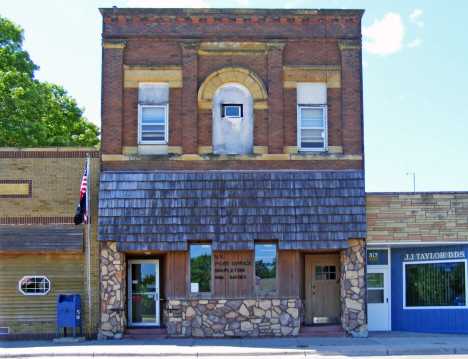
(194, 287)
(151, 296)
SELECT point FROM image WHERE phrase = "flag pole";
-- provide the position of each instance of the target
(88, 220)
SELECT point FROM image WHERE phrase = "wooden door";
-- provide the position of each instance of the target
(322, 287)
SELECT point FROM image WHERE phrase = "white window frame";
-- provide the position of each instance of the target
(434, 262)
(238, 105)
(35, 277)
(166, 125)
(325, 128)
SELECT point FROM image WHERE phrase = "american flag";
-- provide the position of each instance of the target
(84, 187)
(81, 214)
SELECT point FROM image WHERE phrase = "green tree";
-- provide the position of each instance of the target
(34, 113)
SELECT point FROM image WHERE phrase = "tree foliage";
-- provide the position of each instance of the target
(34, 113)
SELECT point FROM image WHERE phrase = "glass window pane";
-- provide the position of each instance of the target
(435, 284)
(375, 280)
(311, 113)
(146, 128)
(265, 267)
(200, 268)
(153, 114)
(332, 275)
(150, 136)
(318, 269)
(312, 123)
(311, 134)
(232, 111)
(375, 296)
(332, 269)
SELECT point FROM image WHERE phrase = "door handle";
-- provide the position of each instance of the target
(387, 300)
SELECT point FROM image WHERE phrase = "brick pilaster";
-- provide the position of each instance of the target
(112, 96)
(189, 95)
(275, 96)
(351, 91)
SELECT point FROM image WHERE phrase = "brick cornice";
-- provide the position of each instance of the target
(113, 44)
(349, 45)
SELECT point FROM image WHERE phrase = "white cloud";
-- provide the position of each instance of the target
(365, 64)
(414, 15)
(171, 4)
(384, 36)
(415, 43)
(292, 4)
(243, 2)
(401, 97)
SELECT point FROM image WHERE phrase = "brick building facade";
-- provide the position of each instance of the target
(232, 188)
(42, 252)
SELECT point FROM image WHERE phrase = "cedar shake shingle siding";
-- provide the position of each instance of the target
(163, 210)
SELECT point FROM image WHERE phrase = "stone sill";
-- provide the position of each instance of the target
(251, 157)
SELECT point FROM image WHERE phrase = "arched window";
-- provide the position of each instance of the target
(232, 107)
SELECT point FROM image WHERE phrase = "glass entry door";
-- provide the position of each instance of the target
(378, 304)
(143, 292)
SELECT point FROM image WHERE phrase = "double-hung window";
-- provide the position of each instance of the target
(312, 133)
(153, 113)
(153, 127)
(312, 128)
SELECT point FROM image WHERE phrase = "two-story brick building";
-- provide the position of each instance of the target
(232, 187)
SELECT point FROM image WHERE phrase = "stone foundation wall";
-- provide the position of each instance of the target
(233, 318)
(113, 291)
(353, 286)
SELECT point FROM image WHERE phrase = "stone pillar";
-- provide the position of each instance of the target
(351, 92)
(275, 96)
(189, 95)
(113, 291)
(353, 288)
(112, 96)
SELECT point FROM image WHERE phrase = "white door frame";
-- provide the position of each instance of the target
(158, 297)
(387, 292)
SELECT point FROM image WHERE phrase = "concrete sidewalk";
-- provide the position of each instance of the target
(378, 343)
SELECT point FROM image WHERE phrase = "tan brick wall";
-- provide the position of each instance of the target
(56, 176)
(417, 217)
(55, 187)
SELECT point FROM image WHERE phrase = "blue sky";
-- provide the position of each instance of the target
(415, 56)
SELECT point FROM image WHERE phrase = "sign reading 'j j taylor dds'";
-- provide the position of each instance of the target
(435, 255)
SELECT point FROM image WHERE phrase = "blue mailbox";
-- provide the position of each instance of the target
(68, 313)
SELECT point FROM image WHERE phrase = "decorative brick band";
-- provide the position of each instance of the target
(13, 182)
(36, 220)
(47, 154)
(224, 20)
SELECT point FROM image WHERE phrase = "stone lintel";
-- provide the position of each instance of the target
(190, 43)
(349, 45)
(113, 44)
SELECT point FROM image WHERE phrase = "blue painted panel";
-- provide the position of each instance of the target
(377, 257)
(423, 320)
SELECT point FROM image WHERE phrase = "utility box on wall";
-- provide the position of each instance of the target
(69, 313)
